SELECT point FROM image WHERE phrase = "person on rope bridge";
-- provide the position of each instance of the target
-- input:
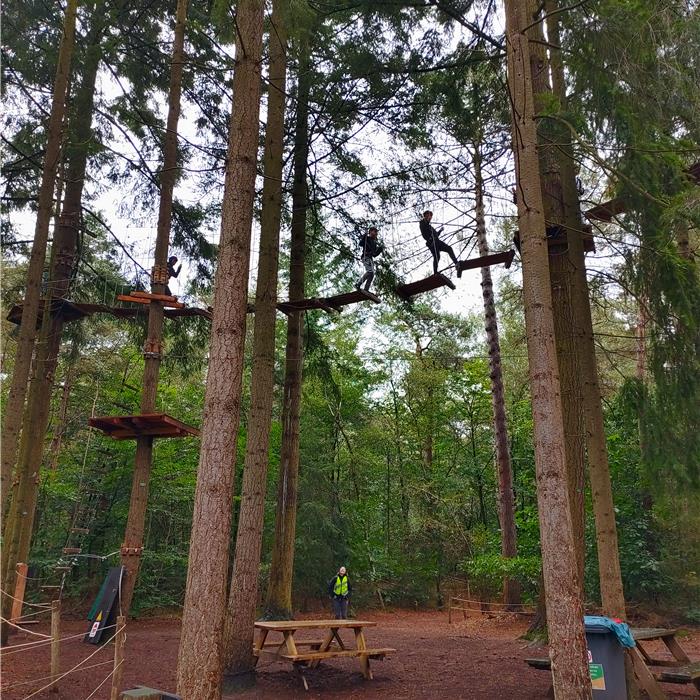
(436, 246)
(371, 248)
(339, 590)
(172, 272)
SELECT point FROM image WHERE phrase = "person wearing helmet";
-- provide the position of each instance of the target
(436, 246)
(371, 248)
(172, 272)
(339, 591)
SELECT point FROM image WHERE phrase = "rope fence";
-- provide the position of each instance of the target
(23, 629)
(17, 648)
(77, 666)
(469, 605)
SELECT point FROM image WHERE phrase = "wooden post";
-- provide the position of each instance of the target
(119, 640)
(20, 585)
(449, 612)
(55, 644)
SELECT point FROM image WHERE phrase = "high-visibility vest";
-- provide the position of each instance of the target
(341, 585)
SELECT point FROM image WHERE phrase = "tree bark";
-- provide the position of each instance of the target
(14, 405)
(132, 546)
(243, 592)
(200, 659)
(564, 610)
(561, 277)
(506, 506)
(61, 422)
(20, 521)
(612, 594)
(279, 593)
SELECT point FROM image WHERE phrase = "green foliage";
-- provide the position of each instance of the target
(487, 571)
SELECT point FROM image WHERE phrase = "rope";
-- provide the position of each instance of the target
(36, 634)
(40, 643)
(80, 663)
(44, 678)
(31, 605)
(31, 614)
(500, 605)
(109, 675)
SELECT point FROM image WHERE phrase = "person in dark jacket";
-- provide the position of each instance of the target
(172, 272)
(436, 246)
(371, 248)
(339, 590)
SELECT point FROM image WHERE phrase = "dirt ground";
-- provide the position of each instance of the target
(480, 658)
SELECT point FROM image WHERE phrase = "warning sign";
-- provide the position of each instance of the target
(597, 676)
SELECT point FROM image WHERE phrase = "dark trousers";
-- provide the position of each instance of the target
(340, 607)
(436, 247)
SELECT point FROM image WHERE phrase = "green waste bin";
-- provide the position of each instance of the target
(606, 659)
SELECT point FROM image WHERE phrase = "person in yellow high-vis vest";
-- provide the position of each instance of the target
(339, 590)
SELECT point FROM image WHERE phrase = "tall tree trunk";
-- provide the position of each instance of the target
(14, 405)
(20, 521)
(200, 659)
(561, 278)
(243, 593)
(506, 506)
(596, 446)
(564, 610)
(62, 420)
(152, 350)
(279, 593)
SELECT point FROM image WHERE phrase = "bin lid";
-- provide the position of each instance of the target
(596, 624)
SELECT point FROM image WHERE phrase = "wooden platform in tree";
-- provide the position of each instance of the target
(59, 307)
(618, 205)
(157, 425)
(137, 297)
(330, 304)
(556, 236)
(435, 281)
(488, 260)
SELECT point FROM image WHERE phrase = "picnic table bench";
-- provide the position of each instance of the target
(331, 646)
(668, 637)
(681, 669)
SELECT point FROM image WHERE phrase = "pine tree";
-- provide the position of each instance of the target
(27, 331)
(200, 659)
(564, 607)
(278, 603)
(243, 592)
(152, 350)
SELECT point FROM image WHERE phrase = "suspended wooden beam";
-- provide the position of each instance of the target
(157, 425)
(59, 307)
(406, 291)
(487, 260)
(330, 304)
(357, 295)
(607, 210)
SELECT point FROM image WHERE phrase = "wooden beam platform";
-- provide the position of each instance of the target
(59, 307)
(146, 298)
(488, 260)
(157, 425)
(607, 210)
(406, 291)
(617, 205)
(357, 295)
(287, 307)
(330, 304)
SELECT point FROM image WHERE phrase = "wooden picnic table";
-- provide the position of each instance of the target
(668, 637)
(683, 671)
(330, 646)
